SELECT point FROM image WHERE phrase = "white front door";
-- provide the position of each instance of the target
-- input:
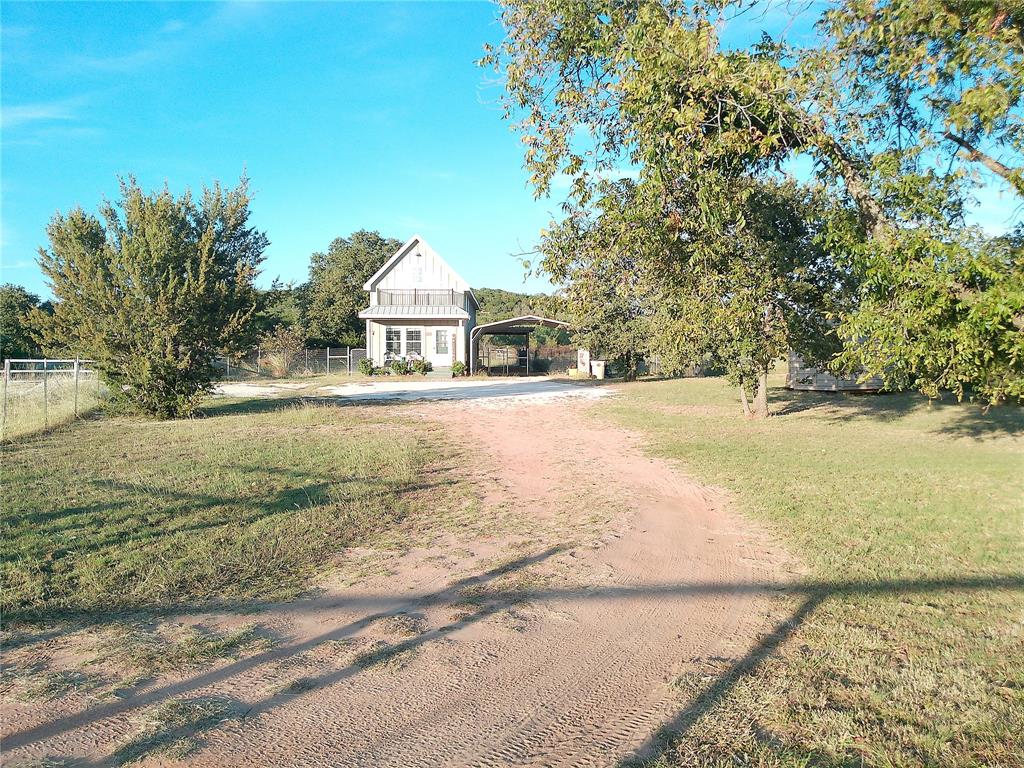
(441, 351)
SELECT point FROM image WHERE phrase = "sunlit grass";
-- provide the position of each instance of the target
(250, 502)
(888, 492)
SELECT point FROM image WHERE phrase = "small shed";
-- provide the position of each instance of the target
(802, 376)
(514, 326)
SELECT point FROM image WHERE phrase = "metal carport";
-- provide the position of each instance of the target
(514, 326)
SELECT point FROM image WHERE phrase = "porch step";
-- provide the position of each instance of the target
(439, 373)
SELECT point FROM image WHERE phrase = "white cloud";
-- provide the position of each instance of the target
(46, 111)
(172, 26)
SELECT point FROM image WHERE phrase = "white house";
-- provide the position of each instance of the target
(419, 307)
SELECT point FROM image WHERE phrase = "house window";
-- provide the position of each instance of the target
(393, 341)
(414, 341)
(442, 342)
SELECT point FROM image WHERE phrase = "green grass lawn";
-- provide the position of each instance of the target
(906, 641)
(122, 514)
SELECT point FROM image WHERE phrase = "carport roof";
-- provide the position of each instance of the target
(522, 324)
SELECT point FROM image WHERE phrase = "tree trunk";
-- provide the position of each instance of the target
(761, 398)
(744, 402)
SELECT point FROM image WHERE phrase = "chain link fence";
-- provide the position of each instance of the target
(279, 364)
(43, 393)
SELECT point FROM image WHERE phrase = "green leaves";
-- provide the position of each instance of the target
(334, 295)
(904, 107)
(155, 290)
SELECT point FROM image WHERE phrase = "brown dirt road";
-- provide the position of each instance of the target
(552, 637)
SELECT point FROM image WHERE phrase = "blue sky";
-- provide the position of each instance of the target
(344, 115)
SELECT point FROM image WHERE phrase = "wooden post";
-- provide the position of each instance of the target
(259, 354)
(328, 360)
(76, 386)
(348, 359)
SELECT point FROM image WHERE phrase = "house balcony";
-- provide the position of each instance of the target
(422, 297)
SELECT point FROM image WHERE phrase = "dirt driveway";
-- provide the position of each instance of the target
(548, 634)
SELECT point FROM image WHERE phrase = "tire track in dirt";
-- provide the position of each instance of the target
(574, 667)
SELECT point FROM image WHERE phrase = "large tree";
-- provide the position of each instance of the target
(735, 296)
(898, 104)
(154, 289)
(334, 294)
(17, 329)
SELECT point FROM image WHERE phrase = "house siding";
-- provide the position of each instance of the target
(802, 376)
(429, 328)
(405, 274)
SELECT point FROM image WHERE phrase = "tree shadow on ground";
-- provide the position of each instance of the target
(811, 594)
(120, 513)
(961, 419)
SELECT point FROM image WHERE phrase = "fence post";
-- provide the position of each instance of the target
(7, 386)
(76, 386)
(46, 399)
(259, 354)
(348, 359)
(306, 352)
(328, 360)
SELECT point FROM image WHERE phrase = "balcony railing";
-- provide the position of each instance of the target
(421, 297)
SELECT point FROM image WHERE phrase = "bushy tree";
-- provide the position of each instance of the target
(280, 305)
(334, 295)
(735, 296)
(898, 105)
(154, 289)
(17, 328)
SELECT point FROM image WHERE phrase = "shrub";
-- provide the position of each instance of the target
(280, 350)
(422, 367)
(400, 367)
(458, 368)
(366, 367)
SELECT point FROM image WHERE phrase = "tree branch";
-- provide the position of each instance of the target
(972, 153)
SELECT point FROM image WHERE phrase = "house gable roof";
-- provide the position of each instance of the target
(411, 245)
